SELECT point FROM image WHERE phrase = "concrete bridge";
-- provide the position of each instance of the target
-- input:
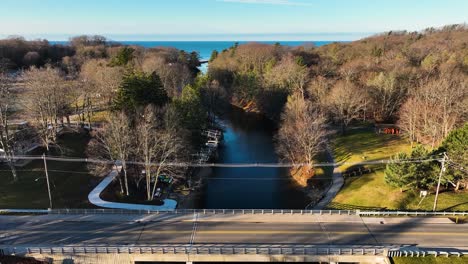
(201, 236)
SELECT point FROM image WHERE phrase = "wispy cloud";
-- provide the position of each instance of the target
(268, 2)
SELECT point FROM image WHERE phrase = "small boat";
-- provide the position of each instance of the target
(212, 143)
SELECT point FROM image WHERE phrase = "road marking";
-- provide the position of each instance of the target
(194, 228)
(253, 232)
(368, 230)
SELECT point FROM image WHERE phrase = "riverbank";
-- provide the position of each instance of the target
(187, 197)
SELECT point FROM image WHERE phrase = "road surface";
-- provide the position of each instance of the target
(127, 230)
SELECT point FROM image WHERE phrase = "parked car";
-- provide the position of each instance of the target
(158, 193)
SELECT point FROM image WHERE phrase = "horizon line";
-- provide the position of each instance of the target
(323, 36)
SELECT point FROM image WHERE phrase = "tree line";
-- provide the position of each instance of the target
(414, 80)
(155, 103)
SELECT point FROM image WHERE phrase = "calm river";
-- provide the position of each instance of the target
(248, 138)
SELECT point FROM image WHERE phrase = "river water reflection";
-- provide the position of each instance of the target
(248, 138)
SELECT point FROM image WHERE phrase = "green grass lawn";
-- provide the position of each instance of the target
(370, 191)
(447, 201)
(430, 260)
(70, 182)
(100, 116)
(364, 144)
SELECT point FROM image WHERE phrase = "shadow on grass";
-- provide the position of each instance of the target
(450, 208)
(340, 206)
(70, 182)
(360, 141)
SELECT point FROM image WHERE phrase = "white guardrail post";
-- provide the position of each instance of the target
(232, 211)
(207, 249)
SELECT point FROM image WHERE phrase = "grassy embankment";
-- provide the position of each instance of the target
(370, 191)
(99, 116)
(70, 182)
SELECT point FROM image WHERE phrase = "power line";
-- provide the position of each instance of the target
(231, 165)
(457, 166)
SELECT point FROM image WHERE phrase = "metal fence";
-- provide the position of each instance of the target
(201, 250)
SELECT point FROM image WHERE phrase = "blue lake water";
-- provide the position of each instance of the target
(204, 48)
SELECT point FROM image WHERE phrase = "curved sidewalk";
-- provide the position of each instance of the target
(337, 183)
(94, 198)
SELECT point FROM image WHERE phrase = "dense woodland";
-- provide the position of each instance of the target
(416, 80)
(157, 101)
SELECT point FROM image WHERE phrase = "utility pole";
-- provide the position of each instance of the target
(442, 170)
(47, 177)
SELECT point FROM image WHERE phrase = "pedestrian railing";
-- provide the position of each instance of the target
(201, 250)
(236, 212)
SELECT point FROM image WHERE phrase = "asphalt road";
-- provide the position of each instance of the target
(373, 233)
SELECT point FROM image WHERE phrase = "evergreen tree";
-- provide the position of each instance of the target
(214, 55)
(123, 57)
(189, 107)
(456, 147)
(139, 89)
(396, 174)
(409, 171)
(422, 174)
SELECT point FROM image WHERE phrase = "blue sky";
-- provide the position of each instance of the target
(224, 19)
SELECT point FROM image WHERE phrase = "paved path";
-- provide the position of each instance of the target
(402, 231)
(95, 198)
(337, 183)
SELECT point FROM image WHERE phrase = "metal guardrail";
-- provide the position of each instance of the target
(202, 211)
(257, 211)
(231, 250)
(236, 211)
(410, 213)
(426, 253)
(200, 250)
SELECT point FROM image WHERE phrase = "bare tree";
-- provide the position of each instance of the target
(158, 146)
(85, 98)
(105, 79)
(346, 103)
(117, 139)
(409, 119)
(7, 138)
(288, 74)
(47, 101)
(302, 134)
(318, 89)
(174, 76)
(213, 97)
(435, 108)
(388, 93)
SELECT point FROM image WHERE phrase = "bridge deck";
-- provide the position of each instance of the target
(190, 229)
